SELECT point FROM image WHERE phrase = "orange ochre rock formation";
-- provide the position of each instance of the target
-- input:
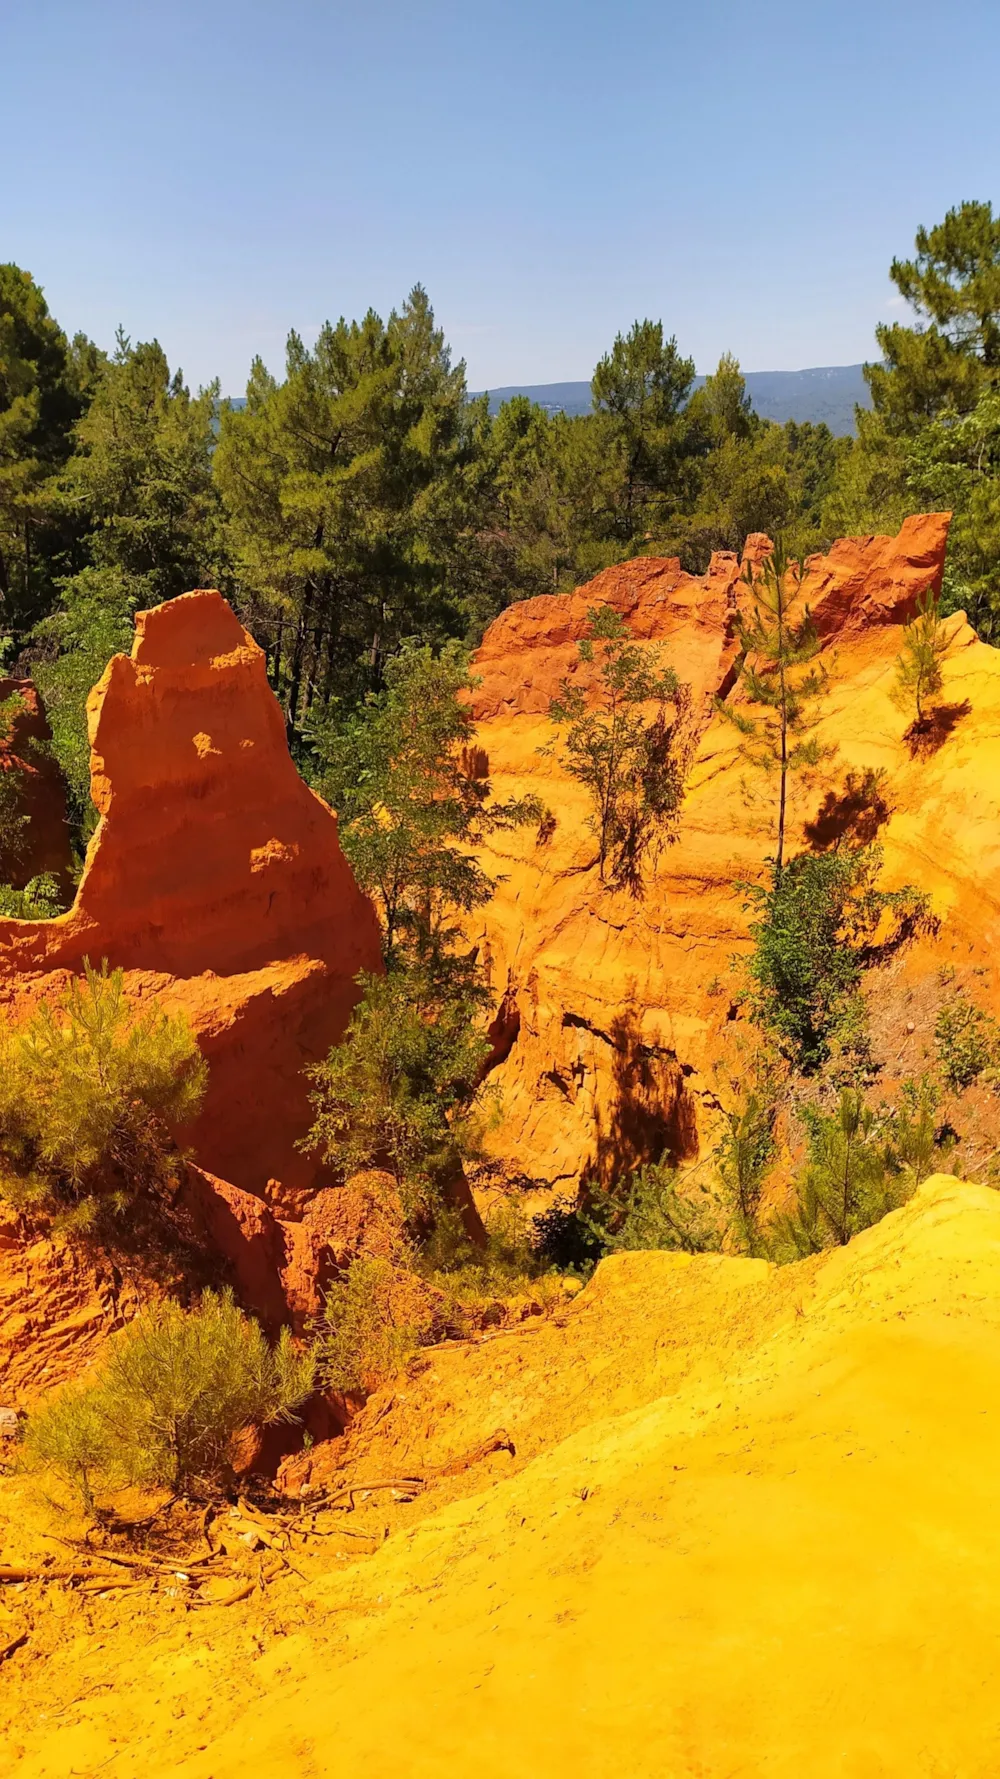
(42, 845)
(215, 880)
(611, 1008)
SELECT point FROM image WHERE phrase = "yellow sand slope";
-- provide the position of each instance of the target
(787, 1565)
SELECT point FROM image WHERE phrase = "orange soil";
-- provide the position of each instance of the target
(751, 1528)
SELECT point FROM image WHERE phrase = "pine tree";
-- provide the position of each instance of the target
(926, 643)
(776, 671)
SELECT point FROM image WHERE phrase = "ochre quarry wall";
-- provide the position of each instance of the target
(43, 845)
(612, 1011)
(215, 880)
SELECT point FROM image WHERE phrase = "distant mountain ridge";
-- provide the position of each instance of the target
(827, 393)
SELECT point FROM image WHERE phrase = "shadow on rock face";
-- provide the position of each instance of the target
(653, 1114)
(854, 814)
(929, 732)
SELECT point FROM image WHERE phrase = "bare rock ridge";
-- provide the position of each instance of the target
(216, 880)
(614, 1002)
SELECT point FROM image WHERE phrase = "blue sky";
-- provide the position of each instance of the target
(213, 172)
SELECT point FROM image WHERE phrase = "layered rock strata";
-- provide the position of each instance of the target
(614, 1008)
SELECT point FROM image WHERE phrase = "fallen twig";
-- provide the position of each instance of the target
(15, 1643)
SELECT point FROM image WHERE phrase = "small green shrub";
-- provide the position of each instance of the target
(848, 1183)
(402, 1091)
(374, 1318)
(863, 1162)
(968, 1044)
(40, 899)
(632, 767)
(662, 1209)
(175, 1390)
(819, 921)
(745, 1155)
(84, 1089)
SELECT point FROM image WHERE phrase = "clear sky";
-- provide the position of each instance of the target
(213, 172)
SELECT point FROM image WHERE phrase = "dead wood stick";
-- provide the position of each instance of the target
(12, 1572)
(158, 1565)
(15, 1643)
(498, 1442)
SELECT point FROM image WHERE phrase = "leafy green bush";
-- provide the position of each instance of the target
(175, 1390)
(968, 1044)
(40, 899)
(84, 1089)
(629, 765)
(402, 1091)
(819, 921)
(373, 1319)
(863, 1162)
(663, 1210)
(848, 1183)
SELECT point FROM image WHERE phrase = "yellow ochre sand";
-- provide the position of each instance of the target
(788, 1564)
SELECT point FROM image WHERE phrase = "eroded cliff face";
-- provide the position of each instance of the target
(216, 881)
(613, 1010)
(43, 845)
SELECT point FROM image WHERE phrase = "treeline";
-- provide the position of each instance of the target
(357, 501)
(362, 498)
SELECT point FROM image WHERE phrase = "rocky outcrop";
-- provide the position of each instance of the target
(42, 845)
(531, 647)
(58, 1304)
(614, 1009)
(215, 880)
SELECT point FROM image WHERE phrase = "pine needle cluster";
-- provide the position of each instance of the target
(89, 1089)
(175, 1390)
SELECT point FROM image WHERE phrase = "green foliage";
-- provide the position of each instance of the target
(818, 922)
(94, 622)
(932, 440)
(85, 1088)
(402, 1091)
(752, 475)
(664, 1209)
(953, 284)
(40, 899)
(641, 386)
(779, 645)
(918, 666)
(374, 1318)
(918, 1147)
(746, 1153)
(629, 764)
(13, 821)
(68, 1435)
(42, 394)
(848, 1184)
(175, 1390)
(139, 484)
(344, 491)
(967, 1041)
(412, 793)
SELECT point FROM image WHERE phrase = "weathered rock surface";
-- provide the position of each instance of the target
(43, 845)
(215, 879)
(618, 1006)
(58, 1304)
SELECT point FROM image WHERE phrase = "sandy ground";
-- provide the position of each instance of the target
(750, 1528)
